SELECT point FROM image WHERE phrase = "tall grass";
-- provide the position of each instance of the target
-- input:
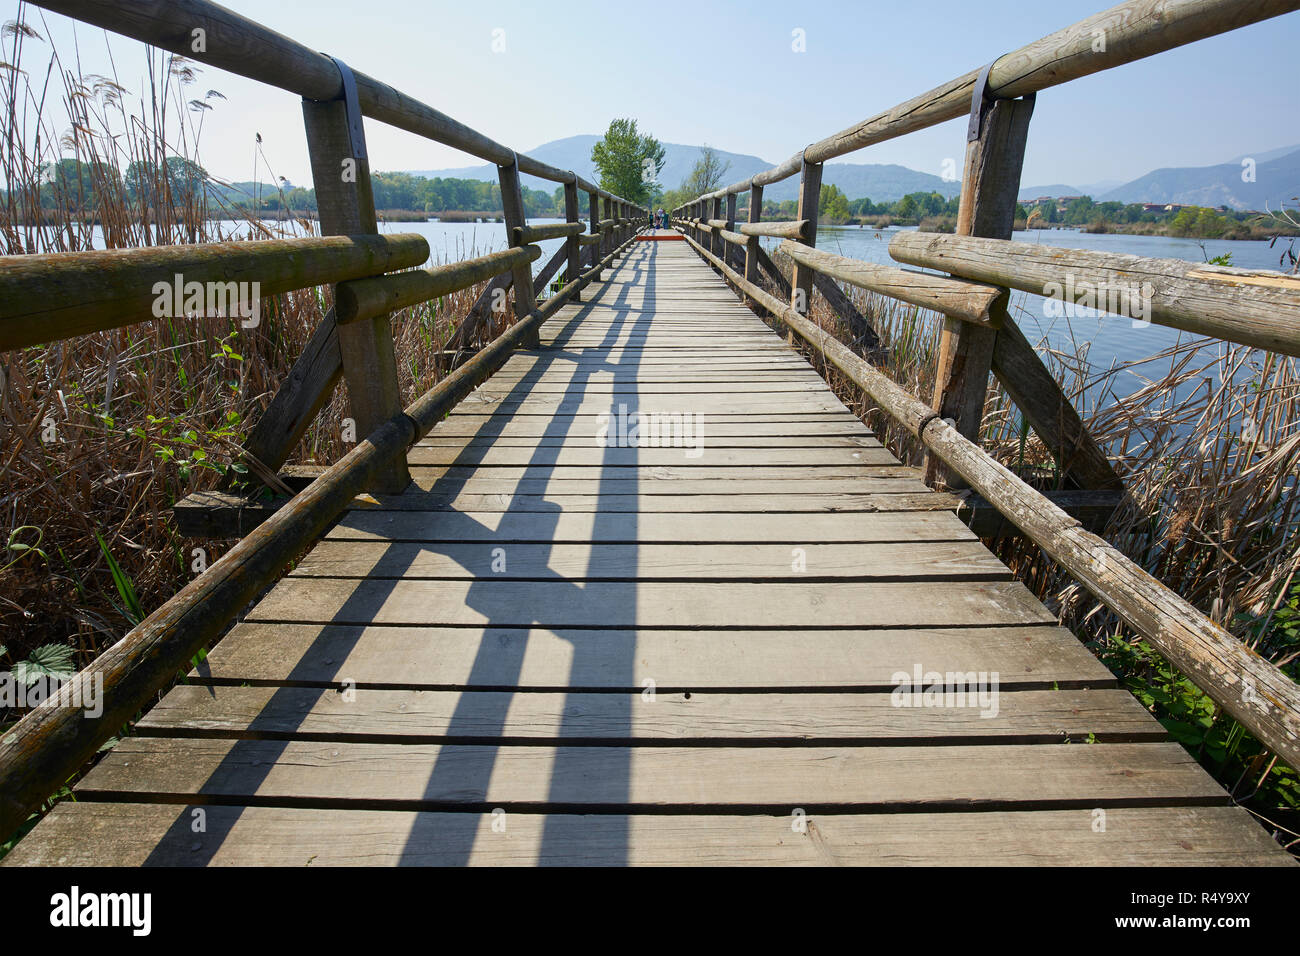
(1208, 446)
(100, 434)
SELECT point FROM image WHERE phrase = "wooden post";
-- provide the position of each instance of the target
(990, 181)
(346, 207)
(573, 268)
(752, 247)
(810, 194)
(607, 236)
(512, 206)
(729, 251)
(593, 214)
(716, 245)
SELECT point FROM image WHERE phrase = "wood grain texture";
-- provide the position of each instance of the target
(825, 719)
(1041, 657)
(137, 834)
(774, 779)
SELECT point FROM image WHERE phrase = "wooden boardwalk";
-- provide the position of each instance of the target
(551, 650)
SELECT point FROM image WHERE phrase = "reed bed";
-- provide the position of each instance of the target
(101, 434)
(1208, 446)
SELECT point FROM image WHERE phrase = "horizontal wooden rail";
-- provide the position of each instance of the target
(1132, 31)
(588, 239)
(1251, 307)
(525, 235)
(367, 298)
(46, 298)
(56, 738)
(245, 47)
(1253, 691)
(792, 229)
(969, 301)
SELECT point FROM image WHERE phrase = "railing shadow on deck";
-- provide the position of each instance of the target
(480, 714)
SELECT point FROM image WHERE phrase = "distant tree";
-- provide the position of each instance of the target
(832, 205)
(706, 175)
(629, 162)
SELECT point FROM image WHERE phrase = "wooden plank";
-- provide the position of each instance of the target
(498, 527)
(601, 604)
(652, 475)
(137, 834)
(1035, 657)
(410, 716)
(590, 454)
(645, 486)
(508, 428)
(777, 779)
(612, 503)
(650, 562)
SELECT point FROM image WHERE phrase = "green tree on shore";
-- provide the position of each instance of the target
(629, 162)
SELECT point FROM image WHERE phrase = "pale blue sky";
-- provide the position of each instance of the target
(569, 67)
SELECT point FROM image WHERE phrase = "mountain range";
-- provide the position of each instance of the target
(882, 183)
(1276, 177)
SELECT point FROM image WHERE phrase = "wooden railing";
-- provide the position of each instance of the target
(46, 298)
(1260, 309)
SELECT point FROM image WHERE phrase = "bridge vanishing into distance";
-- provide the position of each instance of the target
(631, 585)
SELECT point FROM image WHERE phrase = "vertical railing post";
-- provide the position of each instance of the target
(345, 200)
(995, 154)
(715, 240)
(572, 248)
(751, 247)
(512, 207)
(810, 193)
(729, 252)
(593, 214)
(607, 235)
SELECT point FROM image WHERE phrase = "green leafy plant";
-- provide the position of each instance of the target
(130, 607)
(20, 549)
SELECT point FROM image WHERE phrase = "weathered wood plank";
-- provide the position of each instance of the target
(420, 776)
(410, 716)
(650, 562)
(499, 527)
(137, 834)
(1042, 657)
(611, 503)
(649, 604)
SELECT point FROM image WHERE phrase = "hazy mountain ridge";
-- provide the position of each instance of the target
(883, 183)
(1277, 177)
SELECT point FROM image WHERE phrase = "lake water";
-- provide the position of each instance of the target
(1110, 339)
(1110, 336)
